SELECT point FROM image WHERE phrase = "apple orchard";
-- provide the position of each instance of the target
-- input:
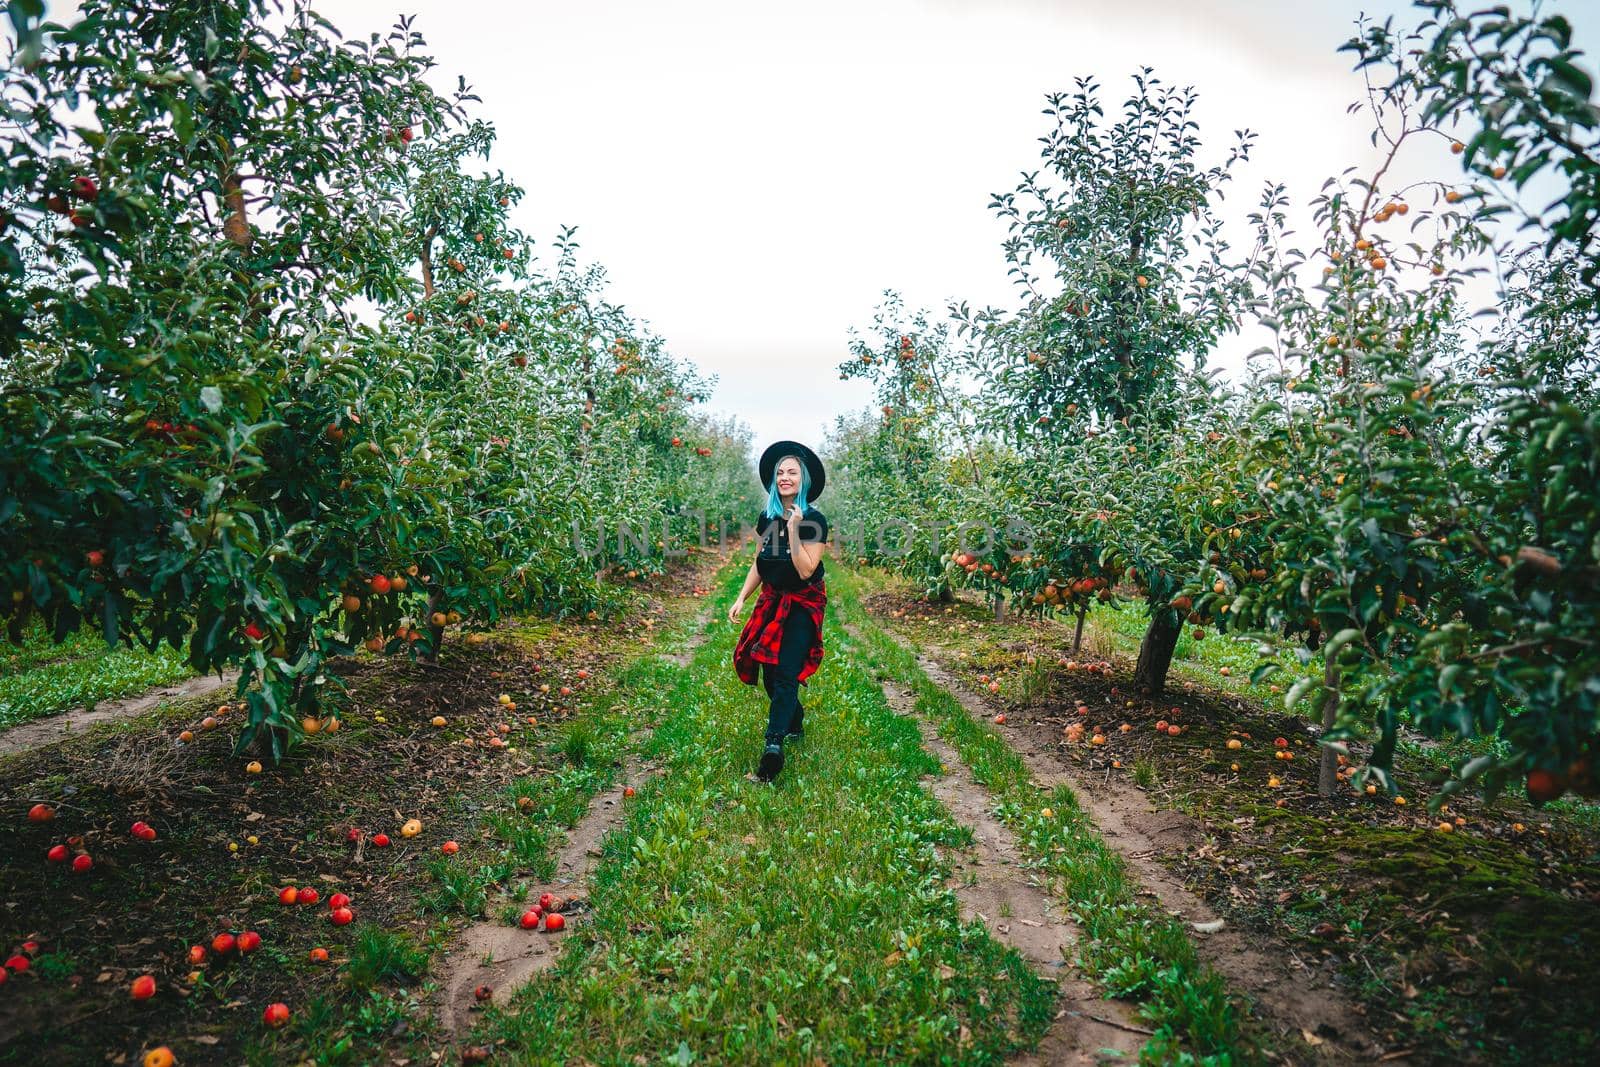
(286, 391)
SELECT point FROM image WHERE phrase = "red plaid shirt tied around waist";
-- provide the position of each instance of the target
(763, 632)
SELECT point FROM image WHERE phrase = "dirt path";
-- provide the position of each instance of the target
(505, 958)
(995, 888)
(54, 728)
(1293, 997)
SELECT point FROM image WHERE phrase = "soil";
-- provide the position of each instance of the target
(228, 839)
(1395, 939)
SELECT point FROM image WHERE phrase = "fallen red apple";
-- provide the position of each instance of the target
(222, 944)
(143, 831)
(627, 791)
(41, 813)
(197, 955)
(18, 964)
(318, 955)
(249, 941)
(143, 988)
(57, 854)
(341, 916)
(545, 900)
(530, 919)
(380, 840)
(338, 900)
(483, 992)
(30, 948)
(1280, 743)
(81, 863)
(353, 835)
(275, 1015)
(309, 896)
(554, 921)
(288, 895)
(449, 848)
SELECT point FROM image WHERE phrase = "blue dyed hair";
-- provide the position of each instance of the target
(774, 504)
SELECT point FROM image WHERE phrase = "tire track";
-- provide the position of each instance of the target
(66, 724)
(1288, 996)
(505, 958)
(994, 887)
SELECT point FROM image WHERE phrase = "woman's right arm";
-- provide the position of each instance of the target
(751, 580)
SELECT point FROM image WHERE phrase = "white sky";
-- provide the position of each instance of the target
(754, 175)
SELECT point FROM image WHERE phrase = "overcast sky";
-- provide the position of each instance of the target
(754, 175)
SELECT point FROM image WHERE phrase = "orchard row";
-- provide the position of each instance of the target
(1398, 485)
(281, 377)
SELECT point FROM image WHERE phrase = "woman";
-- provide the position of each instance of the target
(783, 637)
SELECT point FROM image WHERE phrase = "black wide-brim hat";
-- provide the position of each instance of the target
(777, 450)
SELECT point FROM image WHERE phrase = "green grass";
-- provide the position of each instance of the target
(384, 956)
(40, 677)
(1131, 950)
(740, 922)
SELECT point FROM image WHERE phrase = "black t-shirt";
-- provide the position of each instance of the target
(774, 563)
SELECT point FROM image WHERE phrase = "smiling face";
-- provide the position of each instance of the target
(787, 475)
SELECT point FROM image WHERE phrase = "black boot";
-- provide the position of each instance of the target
(771, 763)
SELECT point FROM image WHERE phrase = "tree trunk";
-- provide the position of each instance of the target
(999, 608)
(1077, 637)
(435, 633)
(947, 595)
(1328, 772)
(1155, 653)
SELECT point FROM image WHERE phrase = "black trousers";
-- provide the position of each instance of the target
(782, 679)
